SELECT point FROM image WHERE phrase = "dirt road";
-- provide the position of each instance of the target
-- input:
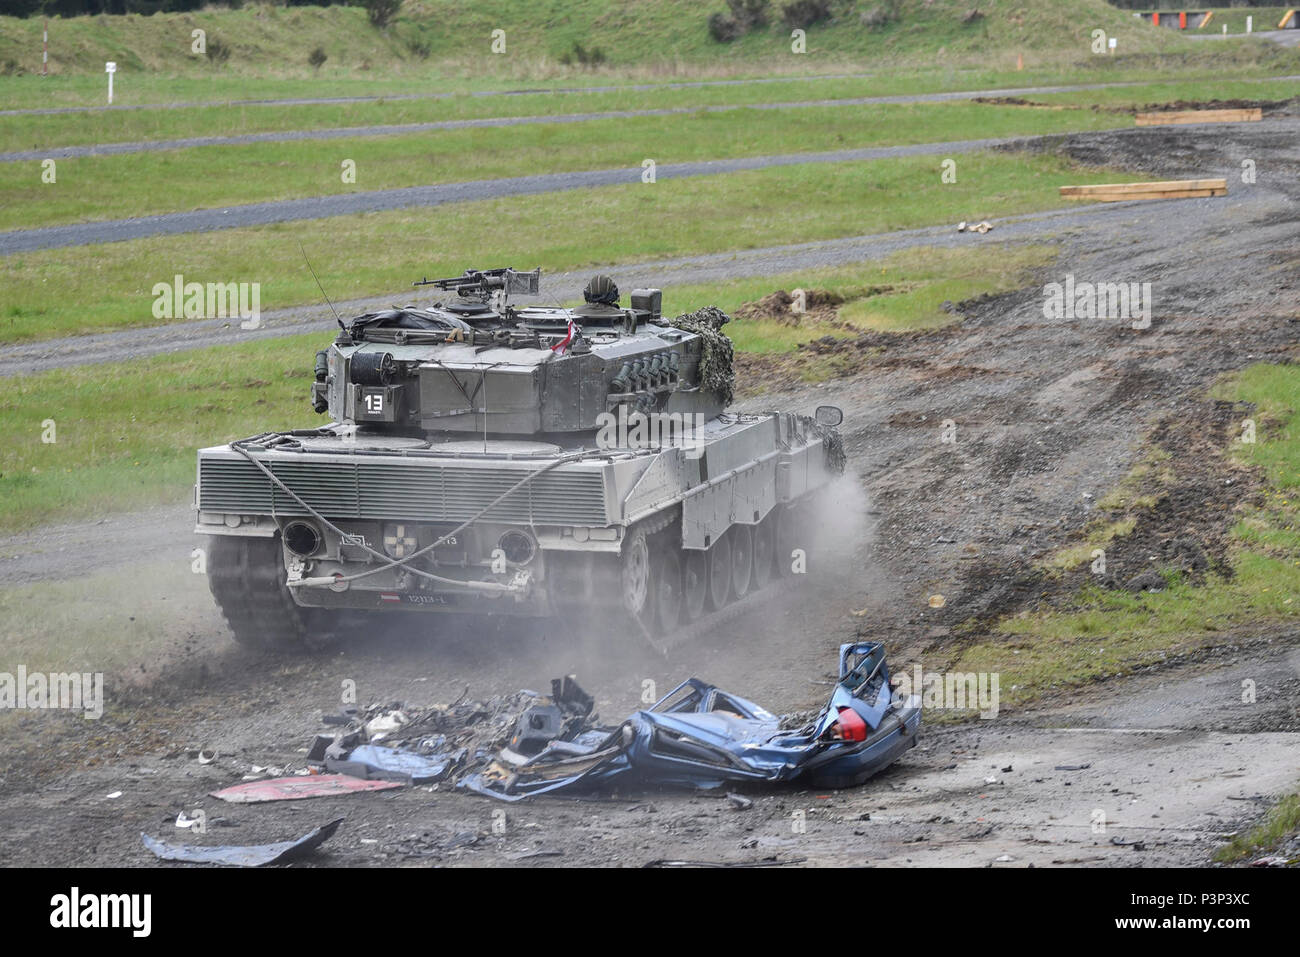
(1049, 414)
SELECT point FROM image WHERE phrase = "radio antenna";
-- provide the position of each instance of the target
(320, 287)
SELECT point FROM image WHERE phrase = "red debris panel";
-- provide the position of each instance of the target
(297, 788)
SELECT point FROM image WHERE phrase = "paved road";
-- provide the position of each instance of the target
(347, 204)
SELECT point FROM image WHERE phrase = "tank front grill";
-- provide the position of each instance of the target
(377, 490)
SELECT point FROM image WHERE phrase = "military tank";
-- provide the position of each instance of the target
(484, 458)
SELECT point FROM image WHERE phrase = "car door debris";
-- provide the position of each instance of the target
(256, 855)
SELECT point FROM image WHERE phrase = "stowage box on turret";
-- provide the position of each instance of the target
(484, 458)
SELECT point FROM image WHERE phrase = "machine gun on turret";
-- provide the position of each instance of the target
(481, 284)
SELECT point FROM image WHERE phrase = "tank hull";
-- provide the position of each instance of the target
(626, 522)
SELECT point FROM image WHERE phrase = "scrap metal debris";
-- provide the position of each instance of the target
(697, 735)
(376, 763)
(256, 855)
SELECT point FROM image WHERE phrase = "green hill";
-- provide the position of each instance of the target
(650, 36)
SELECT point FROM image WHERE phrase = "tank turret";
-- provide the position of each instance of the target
(475, 363)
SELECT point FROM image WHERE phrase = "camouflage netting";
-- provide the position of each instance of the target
(833, 445)
(717, 369)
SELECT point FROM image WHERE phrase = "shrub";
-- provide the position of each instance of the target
(317, 57)
(723, 28)
(216, 51)
(381, 12)
(583, 57)
(804, 13)
(881, 16)
(750, 14)
(745, 15)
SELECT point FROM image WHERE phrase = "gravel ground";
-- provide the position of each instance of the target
(1049, 415)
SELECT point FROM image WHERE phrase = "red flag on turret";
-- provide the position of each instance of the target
(561, 347)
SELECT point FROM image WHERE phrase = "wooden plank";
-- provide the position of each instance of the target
(1146, 189)
(1200, 116)
(1125, 197)
(1164, 189)
(1177, 194)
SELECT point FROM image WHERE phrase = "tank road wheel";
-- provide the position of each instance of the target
(764, 549)
(667, 580)
(695, 582)
(638, 599)
(246, 577)
(719, 558)
(742, 559)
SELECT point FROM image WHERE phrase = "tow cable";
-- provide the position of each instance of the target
(389, 562)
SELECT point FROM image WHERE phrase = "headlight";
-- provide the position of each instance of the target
(399, 541)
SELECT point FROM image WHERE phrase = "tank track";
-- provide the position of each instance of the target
(767, 596)
(246, 577)
(776, 587)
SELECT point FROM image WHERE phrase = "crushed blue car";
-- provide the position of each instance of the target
(701, 736)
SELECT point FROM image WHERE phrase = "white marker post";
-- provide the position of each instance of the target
(110, 68)
(45, 49)
(1112, 43)
(1250, 24)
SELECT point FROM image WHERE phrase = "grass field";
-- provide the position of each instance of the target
(1113, 632)
(110, 187)
(39, 131)
(1282, 820)
(63, 292)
